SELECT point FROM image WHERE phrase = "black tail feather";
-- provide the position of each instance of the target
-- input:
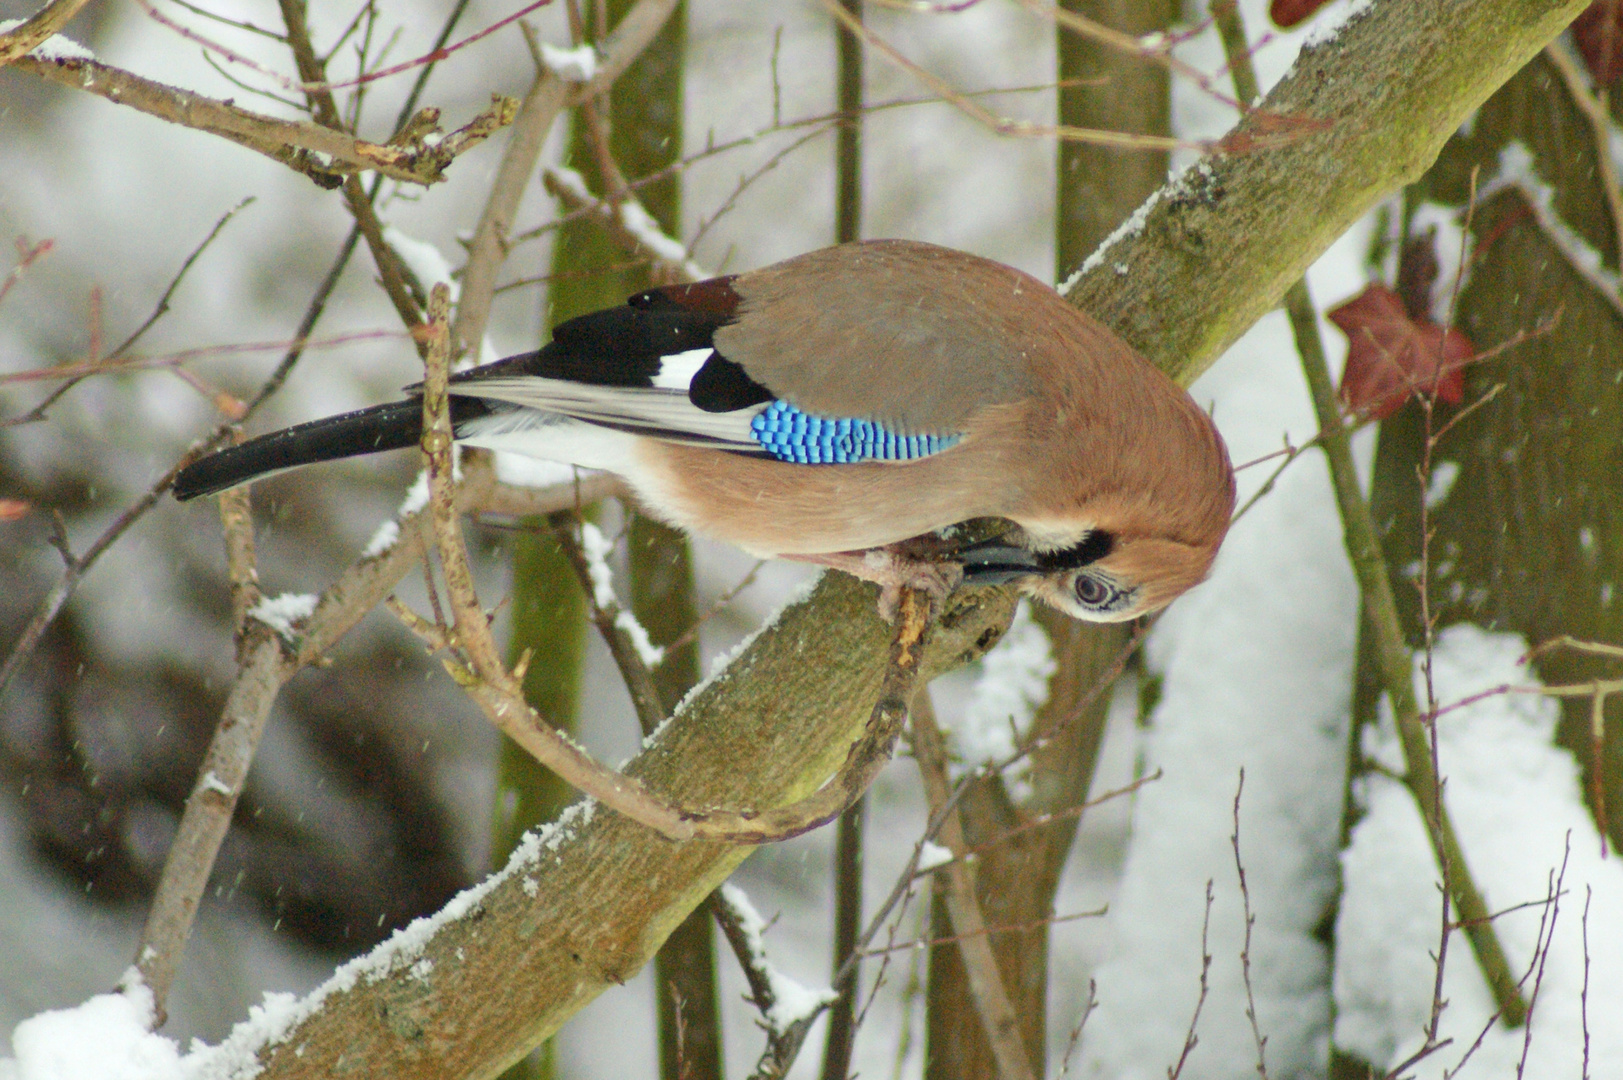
(365, 431)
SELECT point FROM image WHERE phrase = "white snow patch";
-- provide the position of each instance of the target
(1129, 228)
(641, 224)
(597, 548)
(1516, 805)
(1331, 19)
(932, 855)
(571, 65)
(280, 613)
(572, 181)
(1452, 273)
(212, 782)
(1443, 475)
(791, 1001)
(55, 47)
(105, 1038)
(416, 496)
(383, 541)
(1517, 170)
(423, 259)
(651, 655)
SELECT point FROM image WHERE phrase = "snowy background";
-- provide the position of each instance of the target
(1257, 663)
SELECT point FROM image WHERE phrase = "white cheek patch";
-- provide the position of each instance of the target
(1055, 535)
(676, 371)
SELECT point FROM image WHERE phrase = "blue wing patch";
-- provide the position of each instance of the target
(789, 434)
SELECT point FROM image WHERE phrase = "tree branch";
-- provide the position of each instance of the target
(313, 149)
(24, 39)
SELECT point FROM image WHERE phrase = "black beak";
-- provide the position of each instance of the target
(995, 563)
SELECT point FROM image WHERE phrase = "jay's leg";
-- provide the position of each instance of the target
(891, 570)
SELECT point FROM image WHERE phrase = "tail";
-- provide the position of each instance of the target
(365, 431)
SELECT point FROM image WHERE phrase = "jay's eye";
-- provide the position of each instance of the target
(1093, 593)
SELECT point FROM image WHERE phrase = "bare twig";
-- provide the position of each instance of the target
(610, 619)
(24, 39)
(307, 147)
(716, 608)
(159, 310)
(783, 1041)
(27, 255)
(1159, 53)
(1583, 993)
(1057, 816)
(174, 360)
(1257, 1036)
(745, 181)
(1543, 943)
(237, 23)
(987, 931)
(1001, 125)
(1191, 1039)
(264, 664)
(1076, 1032)
(440, 52)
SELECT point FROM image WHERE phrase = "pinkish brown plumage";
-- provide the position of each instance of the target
(981, 394)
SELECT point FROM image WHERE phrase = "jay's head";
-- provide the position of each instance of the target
(1123, 528)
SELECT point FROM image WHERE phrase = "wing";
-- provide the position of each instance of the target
(630, 368)
(655, 367)
(909, 336)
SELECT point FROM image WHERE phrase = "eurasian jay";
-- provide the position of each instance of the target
(828, 407)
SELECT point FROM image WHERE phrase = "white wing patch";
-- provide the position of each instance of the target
(659, 412)
(676, 371)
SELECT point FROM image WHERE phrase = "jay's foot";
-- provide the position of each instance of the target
(893, 571)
